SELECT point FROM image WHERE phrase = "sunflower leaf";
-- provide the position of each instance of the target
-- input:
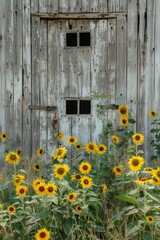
(126, 198)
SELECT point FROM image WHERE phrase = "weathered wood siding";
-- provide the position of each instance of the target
(30, 62)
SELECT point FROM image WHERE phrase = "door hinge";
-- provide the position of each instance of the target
(42, 108)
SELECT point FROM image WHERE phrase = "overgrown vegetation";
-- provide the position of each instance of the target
(108, 192)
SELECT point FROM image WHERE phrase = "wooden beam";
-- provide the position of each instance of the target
(55, 16)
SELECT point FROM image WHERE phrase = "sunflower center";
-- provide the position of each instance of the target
(101, 149)
(59, 153)
(150, 219)
(41, 151)
(137, 137)
(135, 162)
(37, 166)
(86, 181)
(4, 135)
(144, 179)
(71, 139)
(155, 179)
(42, 235)
(50, 189)
(77, 176)
(153, 113)
(21, 191)
(123, 111)
(13, 157)
(85, 167)
(124, 121)
(71, 196)
(60, 171)
(91, 147)
(78, 146)
(118, 169)
(11, 209)
(41, 189)
(17, 180)
(79, 208)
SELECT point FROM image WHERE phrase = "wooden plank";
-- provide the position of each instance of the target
(26, 78)
(43, 6)
(121, 84)
(111, 73)
(123, 5)
(141, 114)
(43, 83)
(9, 70)
(53, 82)
(75, 6)
(112, 5)
(85, 6)
(103, 6)
(52, 6)
(17, 74)
(132, 58)
(150, 73)
(76, 16)
(157, 54)
(34, 6)
(94, 6)
(3, 127)
(35, 83)
(63, 6)
(72, 72)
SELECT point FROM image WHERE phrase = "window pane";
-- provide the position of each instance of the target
(85, 107)
(84, 39)
(71, 39)
(71, 107)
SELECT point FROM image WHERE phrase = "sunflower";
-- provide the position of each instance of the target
(72, 140)
(85, 167)
(40, 152)
(61, 170)
(36, 182)
(18, 179)
(72, 197)
(138, 138)
(40, 188)
(11, 209)
(79, 209)
(21, 190)
(86, 182)
(78, 147)
(1, 206)
(142, 181)
(60, 136)
(51, 188)
(42, 234)
(148, 169)
(3, 136)
(36, 167)
(101, 149)
(115, 139)
(91, 147)
(123, 110)
(153, 114)
(104, 188)
(123, 122)
(75, 177)
(12, 158)
(149, 219)
(18, 151)
(135, 163)
(60, 153)
(117, 171)
(155, 181)
(156, 173)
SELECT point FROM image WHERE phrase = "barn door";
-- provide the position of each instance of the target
(72, 59)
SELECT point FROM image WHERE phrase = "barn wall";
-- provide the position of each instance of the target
(137, 84)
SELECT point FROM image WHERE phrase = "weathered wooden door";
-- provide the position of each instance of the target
(71, 59)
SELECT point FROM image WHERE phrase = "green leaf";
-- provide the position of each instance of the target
(67, 225)
(133, 211)
(126, 198)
